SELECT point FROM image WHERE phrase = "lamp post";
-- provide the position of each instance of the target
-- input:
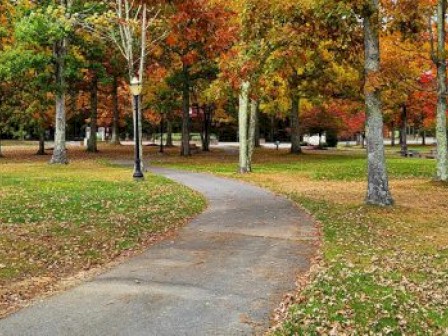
(136, 90)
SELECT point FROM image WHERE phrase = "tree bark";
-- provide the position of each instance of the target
(185, 149)
(257, 128)
(404, 130)
(208, 111)
(162, 121)
(169, 133)
(1, 122)
(254, 105)
(392, 138)
(41, 150)
(424, 138)
(92, 143)
(272, 130)
(441, 134)
(115, 139)
(378, 185)
(295, 129)
(242, 126)
(60, 151)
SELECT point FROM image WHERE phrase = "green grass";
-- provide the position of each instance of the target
(368, 283)
(58, 220)
(336, 167)
(384, 270)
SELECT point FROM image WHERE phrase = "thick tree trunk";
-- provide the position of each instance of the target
(92, 143)
(185, 148)
(41, 150)
(424, 138)
(115, 139)
(60, 151)
(295, 129)
(441, 134)
(169, 133)
(254, 104)
(404, 130)
(378, 185)
(242, 125)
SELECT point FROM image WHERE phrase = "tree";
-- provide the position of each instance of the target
(199, 32)
(134, 28)
(244, 64)
(440, 60)
(378, 184)
(6, 39)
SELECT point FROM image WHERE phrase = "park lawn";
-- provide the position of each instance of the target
(383, 271)
(58, 222)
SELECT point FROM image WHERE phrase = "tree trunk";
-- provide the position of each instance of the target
(1, 134)
(295, 130)
(404, 130)
(242, 125)
(41, 150)
(441, 134)
(92, 143)
(392, 138)
(378, 185)
(257, 128)
(115, 139)
(208, 110)
(254, 104)
(424, 138)
(185, 149)
(272, 130)
(169, 133)
(60, 151)
(162, 121)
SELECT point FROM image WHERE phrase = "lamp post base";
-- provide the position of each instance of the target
(138, 176)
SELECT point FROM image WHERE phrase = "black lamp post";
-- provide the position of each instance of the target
(136, 90)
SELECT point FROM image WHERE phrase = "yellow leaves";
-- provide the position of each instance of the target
(373, 82)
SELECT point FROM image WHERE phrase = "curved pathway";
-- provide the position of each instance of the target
(224, 274)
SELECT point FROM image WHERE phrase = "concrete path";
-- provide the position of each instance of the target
(224, 274)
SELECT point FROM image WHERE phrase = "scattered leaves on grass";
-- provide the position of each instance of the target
(57, 221)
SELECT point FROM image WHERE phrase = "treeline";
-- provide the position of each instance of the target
(314, 63)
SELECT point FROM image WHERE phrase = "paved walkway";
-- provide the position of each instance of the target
(223, 275)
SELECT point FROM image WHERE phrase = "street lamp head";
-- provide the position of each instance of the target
(136, 86)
